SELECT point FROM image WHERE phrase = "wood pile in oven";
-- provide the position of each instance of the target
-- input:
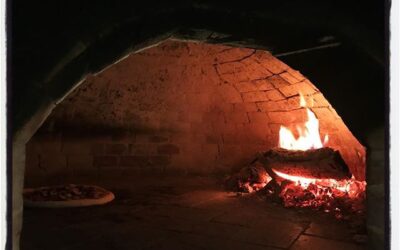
(316, 178)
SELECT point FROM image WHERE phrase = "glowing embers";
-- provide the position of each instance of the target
(345, 198)
(350, 187)
(309, 137)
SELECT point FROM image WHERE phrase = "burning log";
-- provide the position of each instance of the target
(322, 163)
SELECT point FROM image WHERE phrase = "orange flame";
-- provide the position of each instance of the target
(309, 137)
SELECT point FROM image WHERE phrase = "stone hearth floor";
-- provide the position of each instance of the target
(181, 213)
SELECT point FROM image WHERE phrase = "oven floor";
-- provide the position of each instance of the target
(181, 213)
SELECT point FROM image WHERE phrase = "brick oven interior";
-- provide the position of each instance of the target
(169, 121)
(180, 107)
(164, 109)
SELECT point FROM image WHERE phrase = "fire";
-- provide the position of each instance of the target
(340, 197)
(309, 137)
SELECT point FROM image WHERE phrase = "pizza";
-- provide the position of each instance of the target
(70, 195)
